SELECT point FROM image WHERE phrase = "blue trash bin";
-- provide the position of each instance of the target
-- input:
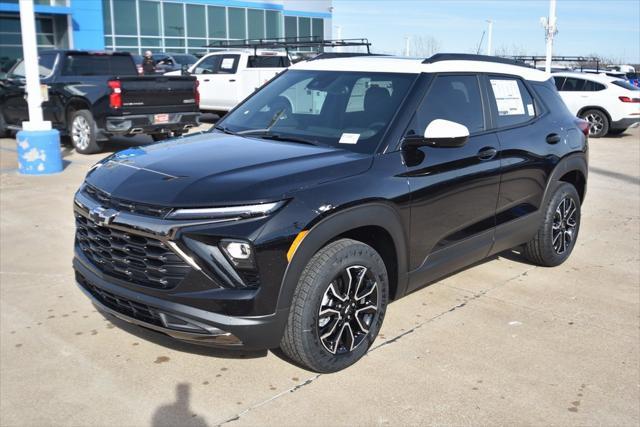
(39, 152)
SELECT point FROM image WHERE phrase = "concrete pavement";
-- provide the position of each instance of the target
(503, 342)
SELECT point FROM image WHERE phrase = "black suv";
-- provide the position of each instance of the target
(338, 187)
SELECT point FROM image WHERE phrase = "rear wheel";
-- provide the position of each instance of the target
(337, 308)
(83, 132)
(598, 122)
(558, 232)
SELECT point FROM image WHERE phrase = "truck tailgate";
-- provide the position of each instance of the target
(166, 93)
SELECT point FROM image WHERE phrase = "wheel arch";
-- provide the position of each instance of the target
(75, 104)
(376, 224)
(572, 169)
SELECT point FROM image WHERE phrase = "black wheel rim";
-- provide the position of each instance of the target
(348, 308)
(565, 223)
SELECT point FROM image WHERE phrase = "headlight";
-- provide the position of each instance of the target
(244, 211)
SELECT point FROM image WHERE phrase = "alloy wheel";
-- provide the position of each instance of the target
(563, 230)
(596, 123)
(80, 132)
(348, 308)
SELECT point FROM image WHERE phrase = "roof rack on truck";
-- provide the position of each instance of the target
(542, 58)
(288, 43)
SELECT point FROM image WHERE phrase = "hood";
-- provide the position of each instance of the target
(216, 169)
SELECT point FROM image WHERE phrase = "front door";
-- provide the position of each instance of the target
(219, 81)
(454, 191)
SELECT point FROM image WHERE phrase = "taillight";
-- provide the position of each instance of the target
(627, 99)
(196, 92)
(115, 97)
(584, 126)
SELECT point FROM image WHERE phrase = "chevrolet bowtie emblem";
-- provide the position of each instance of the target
(102, 216)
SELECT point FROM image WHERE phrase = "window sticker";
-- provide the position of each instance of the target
(530, 110)
(508, 97)
(227, 64)
(349, 138)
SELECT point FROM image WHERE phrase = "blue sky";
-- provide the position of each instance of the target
(609, 28)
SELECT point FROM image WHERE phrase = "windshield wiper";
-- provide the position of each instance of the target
(278, 137)
(224, 129)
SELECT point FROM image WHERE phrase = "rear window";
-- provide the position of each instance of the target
(99, 65)
(512, 101)
(551, 98)
(625, 84)
(268, 62)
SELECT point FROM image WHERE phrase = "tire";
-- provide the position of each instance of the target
(561, 221)
(83, 132)
(599, 122)
(323, 342)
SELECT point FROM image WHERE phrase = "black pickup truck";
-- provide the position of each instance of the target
(95, 95)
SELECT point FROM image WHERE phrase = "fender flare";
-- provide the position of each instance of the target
(570, 163)
(370, 214)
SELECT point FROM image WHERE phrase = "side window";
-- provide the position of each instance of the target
(453, 98)
(591, 86)
(208, 65)
(512, 101)
(228, 64)
(551, 98)
(573, 85)
(559, 81)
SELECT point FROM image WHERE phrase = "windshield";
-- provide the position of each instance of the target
(349, 110)
(625, 84)
(46, 63)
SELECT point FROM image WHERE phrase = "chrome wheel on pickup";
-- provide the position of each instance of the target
(82, 129)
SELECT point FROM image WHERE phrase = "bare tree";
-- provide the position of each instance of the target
(510, 50)
(424, 46)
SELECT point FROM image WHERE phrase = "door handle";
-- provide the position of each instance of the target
(553, 138)
(232, 80)
(487, 153)
(207, 80)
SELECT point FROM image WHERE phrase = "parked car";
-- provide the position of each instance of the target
(93, 96)
(609, 104)
(294, 227)
(166, 62)
(227, 77)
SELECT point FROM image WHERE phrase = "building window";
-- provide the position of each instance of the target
(11, 38)
(302, 28)
(197, 21)
(217, 22)
(290, 27)
(106, 17)
(237, 23)
(173, 19)
(255, 20)
(149, 18)
(273, 20)
(125, 18)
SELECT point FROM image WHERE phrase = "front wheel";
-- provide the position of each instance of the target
(598, 123)
(338, 307)
(556, 237)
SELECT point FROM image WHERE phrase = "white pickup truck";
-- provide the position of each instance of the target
(228, 77)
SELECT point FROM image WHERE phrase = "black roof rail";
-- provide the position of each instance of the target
(331, 55)
(472, 57)
(288, 43)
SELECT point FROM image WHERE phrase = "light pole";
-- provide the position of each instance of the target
(489, 36)
(38, 144)
(550, 30)
(406, 45)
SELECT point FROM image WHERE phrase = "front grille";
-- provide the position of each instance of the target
(105, 199)
(140, 260)
(122, 305)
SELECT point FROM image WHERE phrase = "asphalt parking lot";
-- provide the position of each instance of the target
(503, 342)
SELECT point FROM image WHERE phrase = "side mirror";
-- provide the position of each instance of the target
(440, 133)
(184, 69)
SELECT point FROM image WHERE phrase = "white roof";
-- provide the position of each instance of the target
(601, 78)
(394, 64)
(248, 52)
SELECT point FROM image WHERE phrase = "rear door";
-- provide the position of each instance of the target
(454, 191)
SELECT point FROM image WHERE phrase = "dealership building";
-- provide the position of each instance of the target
(159, 25)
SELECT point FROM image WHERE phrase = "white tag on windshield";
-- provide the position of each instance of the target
(349, 138)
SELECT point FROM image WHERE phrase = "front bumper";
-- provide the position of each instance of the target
(147, 123)
(179, 321)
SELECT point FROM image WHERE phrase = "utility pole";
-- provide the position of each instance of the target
(406, 46)
(550, 30)
(38, 144)
(489, 37)
(339, 37)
